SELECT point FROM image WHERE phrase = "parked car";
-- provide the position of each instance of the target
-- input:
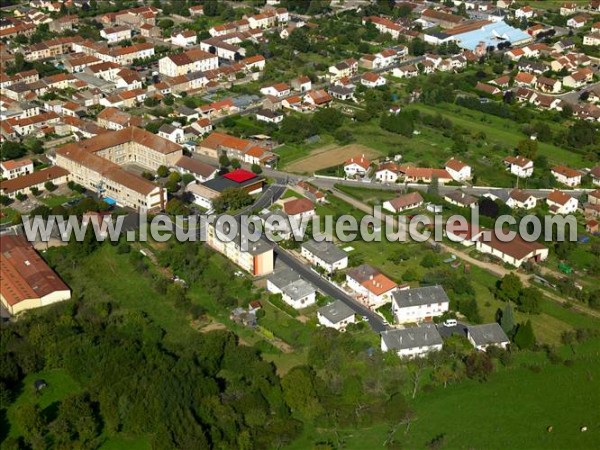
(450, 322)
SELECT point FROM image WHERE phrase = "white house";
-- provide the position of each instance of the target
(299, 294)
(357, 166)
(202, 172)
(458, 170)
(579, 78)
(568, 9)
(592, 39)
(387, 172)
(276, 90)
(408, 71)
(412, 342)
(521, 199)
(116, 34)
(185, 38)
(420, 304)
(561, 203)
(13, 168)
(192, 60)
(463, 232)
(266, 115)
(403, 203)
(293, 289)
(566, 175)
(487, 335)
(324, 254)
(526, 12)
(519, 166)
(301, 84)
(202, 126)
(577, 22)
(202, 195)
(299, 208)
(514, 252)
(173, 134)
(336, 315)
(372, 80)
(461, 199)
(372, 287)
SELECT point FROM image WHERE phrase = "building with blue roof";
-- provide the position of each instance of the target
(491, 34)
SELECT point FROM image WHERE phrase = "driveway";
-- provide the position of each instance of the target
(445, 332)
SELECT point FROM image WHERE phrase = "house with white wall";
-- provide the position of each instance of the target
(419, 304)
(561, 203)
(566, 175)
(514, 252)
(387, 172)
(487, 335)
(324, 254)
(372, 287)
(412, 342)
(357, 166)
(519, 166)
(458, 170)
(518, 198)
(336, 315)
(13, 168)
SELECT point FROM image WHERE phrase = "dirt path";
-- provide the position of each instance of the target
(494, 269)
(281, 345)
(214, 326)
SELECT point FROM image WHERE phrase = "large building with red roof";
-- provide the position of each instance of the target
(26, 281)
(97, 164)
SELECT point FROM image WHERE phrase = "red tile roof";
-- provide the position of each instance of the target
(559, 197)
(298, 206)
(359, 160)
(32, 179)
(24, 274)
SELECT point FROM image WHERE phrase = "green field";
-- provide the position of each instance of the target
(60, 385)
(116, 276)
(510, 411)
(56, 200)
(500, 131)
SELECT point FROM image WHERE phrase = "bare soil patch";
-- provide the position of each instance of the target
(329, 156)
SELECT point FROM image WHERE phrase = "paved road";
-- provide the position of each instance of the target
(328, 184)
(325, 183)
(374, 319)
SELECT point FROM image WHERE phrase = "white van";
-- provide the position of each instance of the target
(450, 322)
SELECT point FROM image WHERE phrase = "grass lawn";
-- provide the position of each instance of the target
(116, 276)
(370, 196)
(501, 131)
(56, 200)
(60, 386)
(290, 194)
(289, 153)
(285, 327)
(9, 215)
(511, 410)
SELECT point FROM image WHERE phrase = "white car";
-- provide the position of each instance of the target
(450, 322)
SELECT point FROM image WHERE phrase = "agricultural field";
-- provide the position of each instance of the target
(328, 156)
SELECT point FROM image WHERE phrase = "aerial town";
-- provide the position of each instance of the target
(462, 114)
